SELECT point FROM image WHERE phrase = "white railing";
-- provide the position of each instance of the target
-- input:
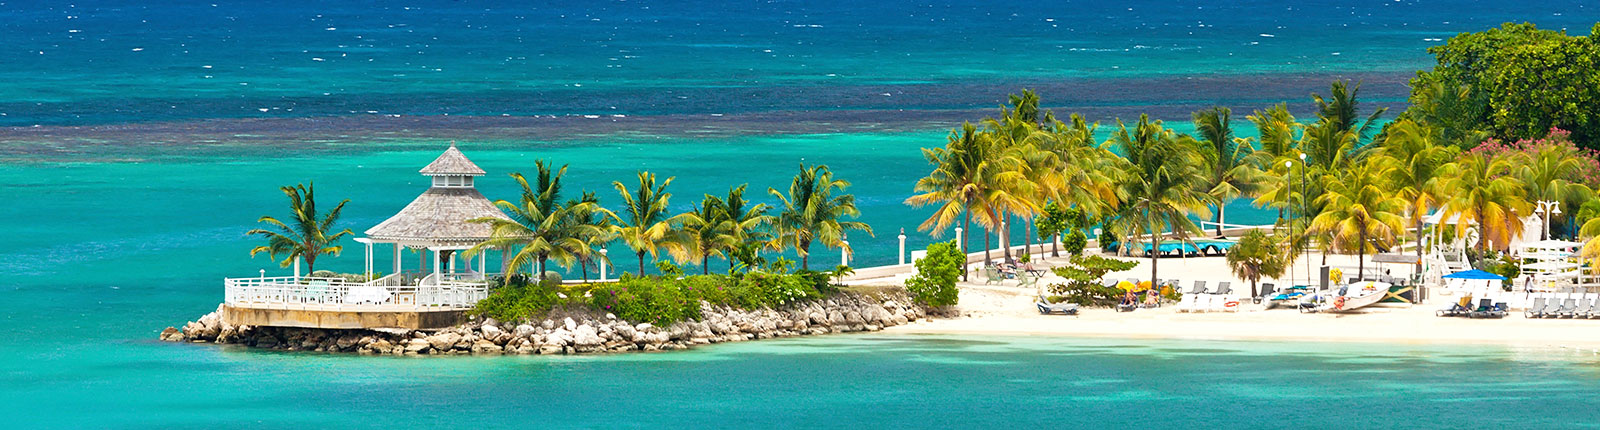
(339, 294)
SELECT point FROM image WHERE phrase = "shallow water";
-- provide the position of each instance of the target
(140, 141)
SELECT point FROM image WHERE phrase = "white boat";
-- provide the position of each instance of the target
(1354, 295)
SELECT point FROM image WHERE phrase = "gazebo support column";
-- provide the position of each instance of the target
(396, 258)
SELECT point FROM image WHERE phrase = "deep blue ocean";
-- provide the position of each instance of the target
(139, 140)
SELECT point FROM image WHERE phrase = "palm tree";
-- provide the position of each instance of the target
(1482, 191)
(1414, 150)
(1341, 110)
(542, 230)
(1163, 185)
(646, 228)
(1552, 173)
(747, 220)
(810, 212)
(1229, 172)
(1359, 214)
(586, 211)
(1279, 142)
(309, 237)
(1257, 255)
(708, 231)
(969, 173)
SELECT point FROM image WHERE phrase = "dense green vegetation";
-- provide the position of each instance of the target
(1511, 83)
(1483, 141)
(934, 284)
(654, 299)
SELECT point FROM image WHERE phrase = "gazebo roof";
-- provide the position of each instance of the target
(439, 217)
(452, 163)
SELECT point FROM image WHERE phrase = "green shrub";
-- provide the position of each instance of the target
(517, 299)
(645, 299)
(661, 301)
(1074, 242)
(935, 281)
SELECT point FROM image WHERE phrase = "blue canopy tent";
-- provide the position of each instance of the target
(1475, 274)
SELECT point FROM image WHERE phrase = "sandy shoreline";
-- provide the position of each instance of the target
(1002, 310)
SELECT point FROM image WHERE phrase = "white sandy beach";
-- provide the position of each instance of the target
(1009, 310)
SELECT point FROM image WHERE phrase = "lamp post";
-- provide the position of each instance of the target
(902, 245)
(961, 241)
(1303, 203)
(1287, 165)
(603, 253)
(1547, 209)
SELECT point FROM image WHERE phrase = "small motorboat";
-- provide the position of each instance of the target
(1349, 297)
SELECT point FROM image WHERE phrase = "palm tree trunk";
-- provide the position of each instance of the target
(986, 247)
(584, 267)
(1027, 238)
(705, 264)
(1219, 219)
(1055, 245)
(966, 229)
(543, 260)
(1005, 238)
(1361, 260)
(805, 255)
(641, 263)
(1418, 268)
(1155, 250)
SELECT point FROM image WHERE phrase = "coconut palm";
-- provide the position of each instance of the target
(1257, 255)
(586, 211)
(708, 231)
(1482, 191)
(747, 219)
(1359, 214)
(970, 173)
(1163, 184)
(644, 224)
(1280, 137)
(811, 212)
(1229, 172)
(1551, 172)
(1340, 110)
(310, 236)
(539, 228)
(1418, 158)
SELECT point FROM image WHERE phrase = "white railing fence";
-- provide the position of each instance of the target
(306, 292)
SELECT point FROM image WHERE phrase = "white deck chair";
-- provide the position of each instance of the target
(1186, 303)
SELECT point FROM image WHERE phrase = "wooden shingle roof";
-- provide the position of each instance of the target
(452, 163)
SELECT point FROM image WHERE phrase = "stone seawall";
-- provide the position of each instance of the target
(582, 332)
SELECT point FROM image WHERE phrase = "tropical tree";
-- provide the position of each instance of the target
(1257, 255)
(1163, 184)
(707, 231)
(1280, 136)
(586, 211)
(1550, 172)
(811, 212)
(748, 222)
(1229, 172)
(644, 224)
(310, 237)
(1418, 159)
(1359, 214)
(540, 228)
(1481, 191)
(970, 173)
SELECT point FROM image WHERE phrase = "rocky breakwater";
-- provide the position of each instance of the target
(580, 333)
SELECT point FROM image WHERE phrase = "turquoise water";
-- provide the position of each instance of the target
(846, 381)
(139, 141)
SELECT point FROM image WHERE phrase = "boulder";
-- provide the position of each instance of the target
(569, 324)
(626, 332)
(491, 331)
(417, 346)
(486, 347)
(444, 341)
(523, 331)
(172, 335)
(586, 336)
(561, 337)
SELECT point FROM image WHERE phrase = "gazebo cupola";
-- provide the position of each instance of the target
(452, 169)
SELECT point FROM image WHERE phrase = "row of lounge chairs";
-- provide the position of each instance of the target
(1553, 306)
(1486, 308)
(1025, 278)
(1199, 299)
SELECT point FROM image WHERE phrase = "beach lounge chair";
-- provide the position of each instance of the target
(1199, 287)
(1584, 307)
(1185, 303)
(1567, 307)
(1027, 281)
(1217, 303)
(1459, 308)
(1223, 288)
(992, 275)
(1536, 309)
(1485, 309)
(1267, 290)
(1046, 308)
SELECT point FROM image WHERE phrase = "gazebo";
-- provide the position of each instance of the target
(438, 221)
(434, 295)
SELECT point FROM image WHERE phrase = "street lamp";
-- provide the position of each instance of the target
(1303, 203)
(1287, 166)
(1547, 209)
